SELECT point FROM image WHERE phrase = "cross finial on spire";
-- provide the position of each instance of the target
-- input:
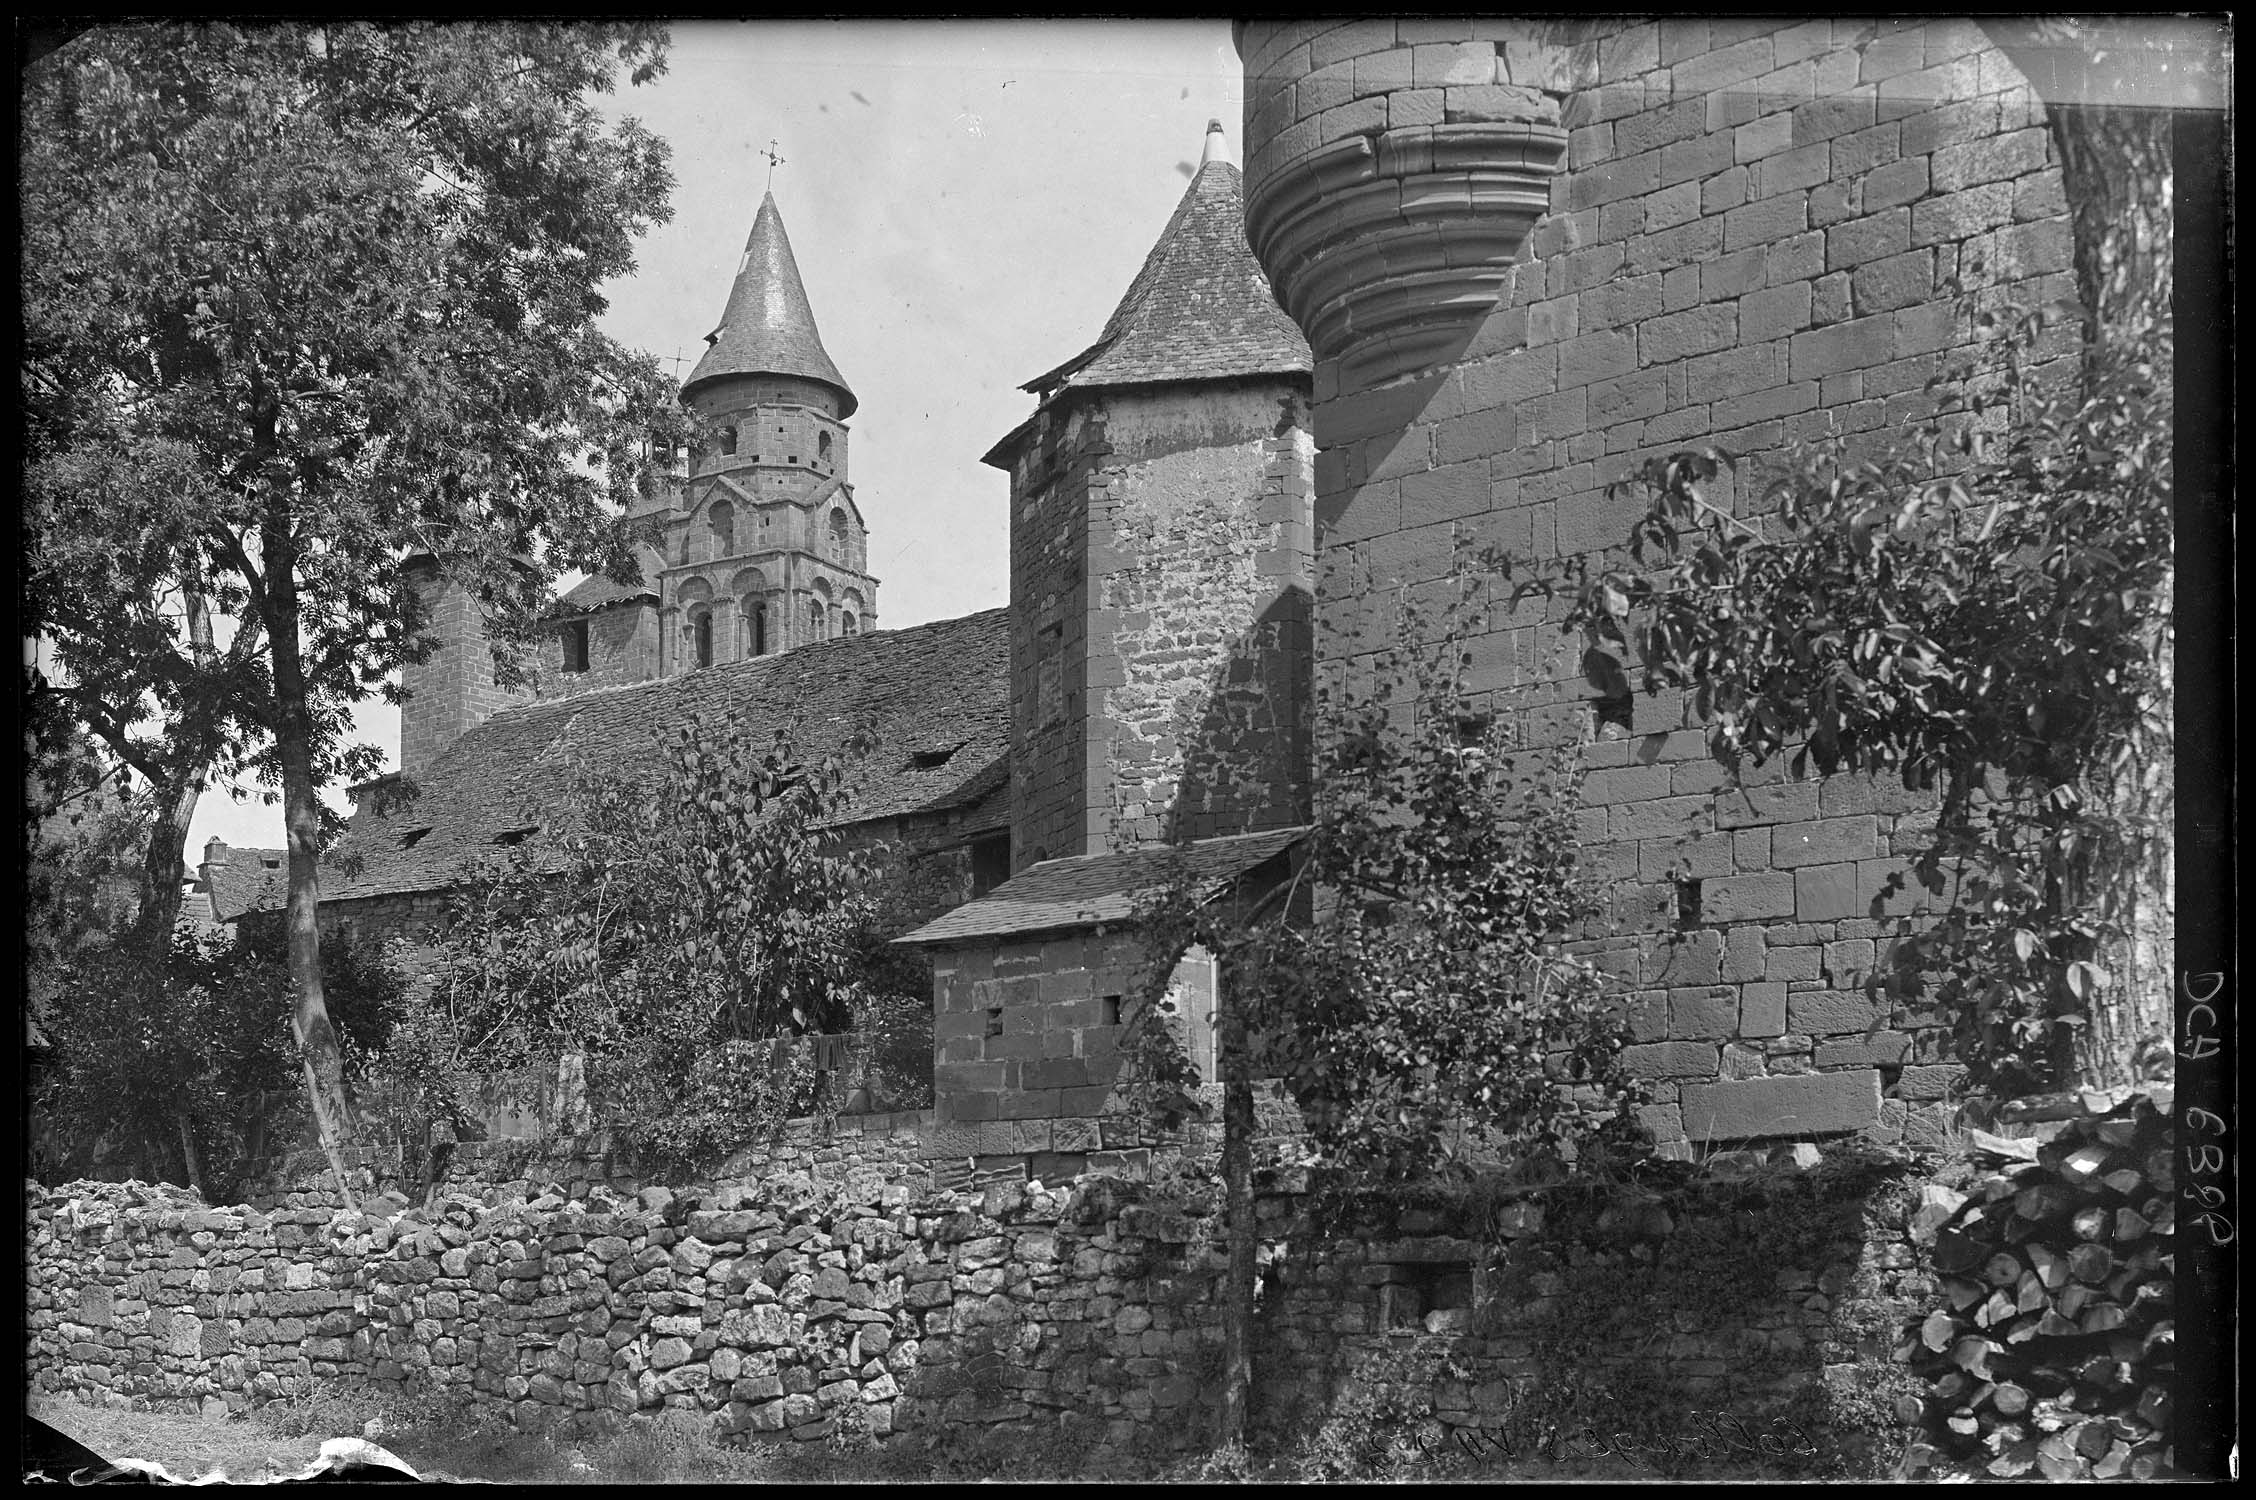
(774, 161)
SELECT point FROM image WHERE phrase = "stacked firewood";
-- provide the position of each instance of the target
(2053, 1349)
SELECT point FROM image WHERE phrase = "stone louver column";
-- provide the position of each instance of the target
(1390, 181)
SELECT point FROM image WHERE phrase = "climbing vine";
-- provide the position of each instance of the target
(1978, 612)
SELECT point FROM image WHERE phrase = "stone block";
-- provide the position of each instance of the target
(1763, 221)
(1931, 1081)
(1660, 818)
(1732, 275)
(1446, 64)
(1784, 963)
(1782, 802)
(1741, 898)
(1824, 893)
(1687, 959)
(1625, 784)
(1808, 1104)
(1596, 356)
(1775, 312)
(1849, 963)
(1877, 1047)
(1703, 1014)
(1897, 281)
(986, 1138)
(1828, 1012)
(1824, 841)
(1792, 172)
(1762, 1009)
(1670, 1060)
(1743, 952)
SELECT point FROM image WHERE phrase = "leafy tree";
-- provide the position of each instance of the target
(671, 933)
(1413, 988)
(81, 831)
(1972, 612)
(300, 301)
(169, 1068)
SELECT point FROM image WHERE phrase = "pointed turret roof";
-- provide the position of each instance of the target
(1201, 308)
(769, 328)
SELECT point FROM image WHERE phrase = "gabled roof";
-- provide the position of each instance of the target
(769, 327)
(247, 880)
(1062, 894)
(930, 688)
(1200, 309)
(594, 592)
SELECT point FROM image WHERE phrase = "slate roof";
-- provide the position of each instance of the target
(944, 686)
(1200, 309)
(1062, 894)
(593, 592)
(769, 327)
(247, 880)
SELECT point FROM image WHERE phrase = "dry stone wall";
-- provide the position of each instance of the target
(1086, 1314)
(856, 1153)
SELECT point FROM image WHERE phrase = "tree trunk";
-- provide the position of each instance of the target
(1238, 1210)
(2116, 173)
(318, 1047)
(176, 800)
(190, 1160)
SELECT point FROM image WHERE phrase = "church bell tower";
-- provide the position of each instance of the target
(765, 549)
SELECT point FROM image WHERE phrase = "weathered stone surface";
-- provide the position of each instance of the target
(1810, 1104)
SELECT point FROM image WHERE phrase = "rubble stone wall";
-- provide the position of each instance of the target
(1087, 1313)
(1160, 590)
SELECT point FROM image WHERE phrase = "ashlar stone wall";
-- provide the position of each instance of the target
(1747, 241)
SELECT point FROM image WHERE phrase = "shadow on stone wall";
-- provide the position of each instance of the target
(1246, 757)
(1496, 1326)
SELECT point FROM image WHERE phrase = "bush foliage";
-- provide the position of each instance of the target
(674, 935)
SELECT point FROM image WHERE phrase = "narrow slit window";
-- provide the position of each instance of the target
(576, 646)
(1112, 1010)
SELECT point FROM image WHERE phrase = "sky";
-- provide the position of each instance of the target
(967, 202)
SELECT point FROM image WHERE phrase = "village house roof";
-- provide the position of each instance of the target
(1200, 309)
(936, 696)
(1090, 890)
(769, 327)
(239, 880)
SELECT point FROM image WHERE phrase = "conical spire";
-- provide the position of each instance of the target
(769, 328)
(1201, 307)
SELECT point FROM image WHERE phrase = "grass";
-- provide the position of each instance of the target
(187, 1447)
(454, 1442)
